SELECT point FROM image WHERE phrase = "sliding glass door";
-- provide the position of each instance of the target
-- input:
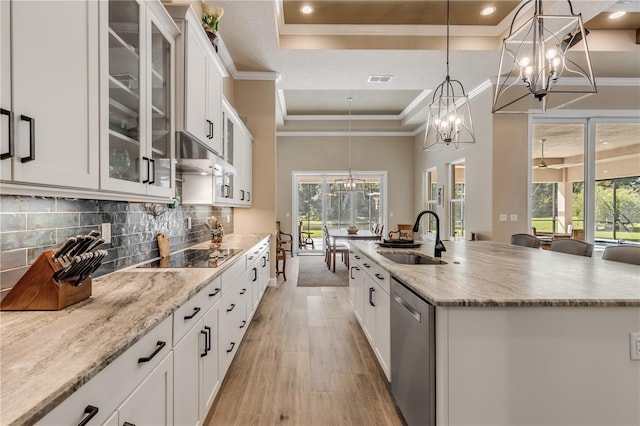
(318, 201)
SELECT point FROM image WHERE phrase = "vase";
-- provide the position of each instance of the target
(213, 38)
(352, 230)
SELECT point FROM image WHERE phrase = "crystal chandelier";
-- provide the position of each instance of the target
(349, 183)
(449, 126)
(538, 72)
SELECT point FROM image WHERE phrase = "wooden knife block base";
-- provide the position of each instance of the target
(38, 291)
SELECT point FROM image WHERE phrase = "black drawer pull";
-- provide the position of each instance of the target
(128, 424)
(215, 292)
(206, 327)
(206, 349)
(255, 274)
(242, 195)
(244, 290)
(371, 290)
(32, 138)
(9, 153)
(243, 324)
(249, 195)
(148, 165)
(233, 344)
(233, 305)
(264, 261)
(91, 412)
(195, 312)
(379, 276)
(159, 345)
(357, 257)
(366, 265)
(351, 273)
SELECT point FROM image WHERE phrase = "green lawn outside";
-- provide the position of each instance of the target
(544, 225)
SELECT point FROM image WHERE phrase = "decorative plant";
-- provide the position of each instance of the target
(211, 17)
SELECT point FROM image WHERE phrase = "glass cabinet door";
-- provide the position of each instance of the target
(160, 171)
(124, 90)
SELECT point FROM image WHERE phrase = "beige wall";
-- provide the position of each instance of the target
(478, 165)
(257, 101)
(320, 154)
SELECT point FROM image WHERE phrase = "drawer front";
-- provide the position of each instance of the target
(231, 275)
(102, 394)
(187, 315)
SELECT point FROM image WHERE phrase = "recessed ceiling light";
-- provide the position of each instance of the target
(307, 9)
(488, 10)
(618, 14)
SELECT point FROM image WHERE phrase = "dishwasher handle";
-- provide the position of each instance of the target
(415, 314)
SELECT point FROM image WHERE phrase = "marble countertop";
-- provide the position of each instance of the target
(485, 273)
(47, 355)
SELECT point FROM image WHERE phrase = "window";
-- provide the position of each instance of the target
(431, 200)
(456, 205)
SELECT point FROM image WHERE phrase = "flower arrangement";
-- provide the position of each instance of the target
(211, 17)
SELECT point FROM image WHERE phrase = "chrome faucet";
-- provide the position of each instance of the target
(439, 248)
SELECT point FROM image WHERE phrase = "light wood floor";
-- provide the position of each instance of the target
(304, 361)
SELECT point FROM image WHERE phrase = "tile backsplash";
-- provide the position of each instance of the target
(30, 225)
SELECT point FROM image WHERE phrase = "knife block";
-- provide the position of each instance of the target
(38, 291)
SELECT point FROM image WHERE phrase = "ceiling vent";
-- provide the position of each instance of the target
(379, 78)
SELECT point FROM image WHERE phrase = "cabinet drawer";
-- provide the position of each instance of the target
(187, 315)
(103, 393)
(379, 275)
(230, 275)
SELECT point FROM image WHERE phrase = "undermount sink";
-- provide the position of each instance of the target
(412, 259)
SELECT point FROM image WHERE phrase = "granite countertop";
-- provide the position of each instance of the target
(47, 355)
(485, 273)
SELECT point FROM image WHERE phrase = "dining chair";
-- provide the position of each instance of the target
(281, 255)
(525, 240)
(330, 249)
(304, 237)
(571, 246)
(283, 239)
(625, 254)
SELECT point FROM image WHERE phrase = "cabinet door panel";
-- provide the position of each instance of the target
(152, 402)
(214, 105)
(209, 378)
(5, 86)
(383, 330)
(196, 77)
(186, 355)
(55, 82)
(370, 300)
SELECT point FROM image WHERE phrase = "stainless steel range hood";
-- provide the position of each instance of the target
(192, 157)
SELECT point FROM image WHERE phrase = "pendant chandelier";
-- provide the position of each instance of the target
(538, 70)
(449, 126)
(349, 183)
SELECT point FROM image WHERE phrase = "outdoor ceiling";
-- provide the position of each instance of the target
(322, 58)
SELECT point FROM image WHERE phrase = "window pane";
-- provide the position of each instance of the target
(457, 200)
(617, 191)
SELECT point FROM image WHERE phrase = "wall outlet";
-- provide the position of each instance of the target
(634, 346)
(106, 233)
(502, 218)
(514, 217)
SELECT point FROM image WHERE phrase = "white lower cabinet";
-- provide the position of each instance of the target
(369, 292)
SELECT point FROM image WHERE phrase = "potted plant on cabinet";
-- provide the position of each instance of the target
(211, 22)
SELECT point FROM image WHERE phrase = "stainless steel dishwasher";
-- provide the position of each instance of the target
(412, 355)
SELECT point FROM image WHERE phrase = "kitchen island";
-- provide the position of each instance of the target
(526, 336)
(47, 356)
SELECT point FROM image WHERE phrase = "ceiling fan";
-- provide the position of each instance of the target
(542, 164)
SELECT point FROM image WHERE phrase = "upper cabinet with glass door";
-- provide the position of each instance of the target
(137, 98)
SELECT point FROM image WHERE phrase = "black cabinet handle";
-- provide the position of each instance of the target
(357, 257)
(264, 261)
(205, 344)
(233, 305)
(243, 324)
(215, 292)
(351, 273)
(10, 133)
(248, 195)
(255, 274)
(32, 138)
(153, 175)
(268, 256)
(209, 129)
(128, 424)
(379, 276)
(147, 160)
(91, 412)
(195, 312)
(244, 290)
(366, 265)
(242, 195)
(159, 345)
(371, 290)
(206, 327)
(232, 346)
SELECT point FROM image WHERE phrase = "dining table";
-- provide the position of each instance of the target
(342, 234)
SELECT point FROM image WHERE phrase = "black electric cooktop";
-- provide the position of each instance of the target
(194, 258)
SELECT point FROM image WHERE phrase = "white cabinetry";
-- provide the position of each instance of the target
(244, 166)
(369, 289)
(137, 98)
(49, 93)
(96, 400)
(199, 74)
